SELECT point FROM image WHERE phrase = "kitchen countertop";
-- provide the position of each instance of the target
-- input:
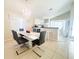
(51, 27)
(47, 27)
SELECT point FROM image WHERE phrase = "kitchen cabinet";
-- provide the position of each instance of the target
(52, 33)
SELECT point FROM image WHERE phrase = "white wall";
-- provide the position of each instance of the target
(71, 21)
(17, 22)
(39, 21)
(14, 12)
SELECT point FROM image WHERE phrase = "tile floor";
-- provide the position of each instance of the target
(52, 50)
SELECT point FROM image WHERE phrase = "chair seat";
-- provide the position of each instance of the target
(36, 42)
(22, 40)
(41, 39)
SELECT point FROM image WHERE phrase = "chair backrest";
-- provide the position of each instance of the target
(21, 29)
(15, 36)
(42, 37)
(34, 30)
(38, 30)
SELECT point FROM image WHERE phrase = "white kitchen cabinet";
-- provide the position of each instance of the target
(52, 33)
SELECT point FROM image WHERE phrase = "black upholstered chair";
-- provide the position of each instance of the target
(34, 30)
(39, 41)
(38, 30)
(20, 40)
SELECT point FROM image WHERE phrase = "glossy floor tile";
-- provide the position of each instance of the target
(51, 50)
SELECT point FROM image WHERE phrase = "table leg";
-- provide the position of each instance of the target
(30, 44)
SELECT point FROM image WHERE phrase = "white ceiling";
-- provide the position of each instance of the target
(40, 8)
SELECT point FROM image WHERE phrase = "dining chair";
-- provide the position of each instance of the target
(20, 40)
(39, 41)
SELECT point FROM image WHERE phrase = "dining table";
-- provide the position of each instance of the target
(29, 36)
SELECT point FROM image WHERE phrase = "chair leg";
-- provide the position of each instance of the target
(17, 53)
(40, 49)
(21, 46)
(20, 52)
(36, 53)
